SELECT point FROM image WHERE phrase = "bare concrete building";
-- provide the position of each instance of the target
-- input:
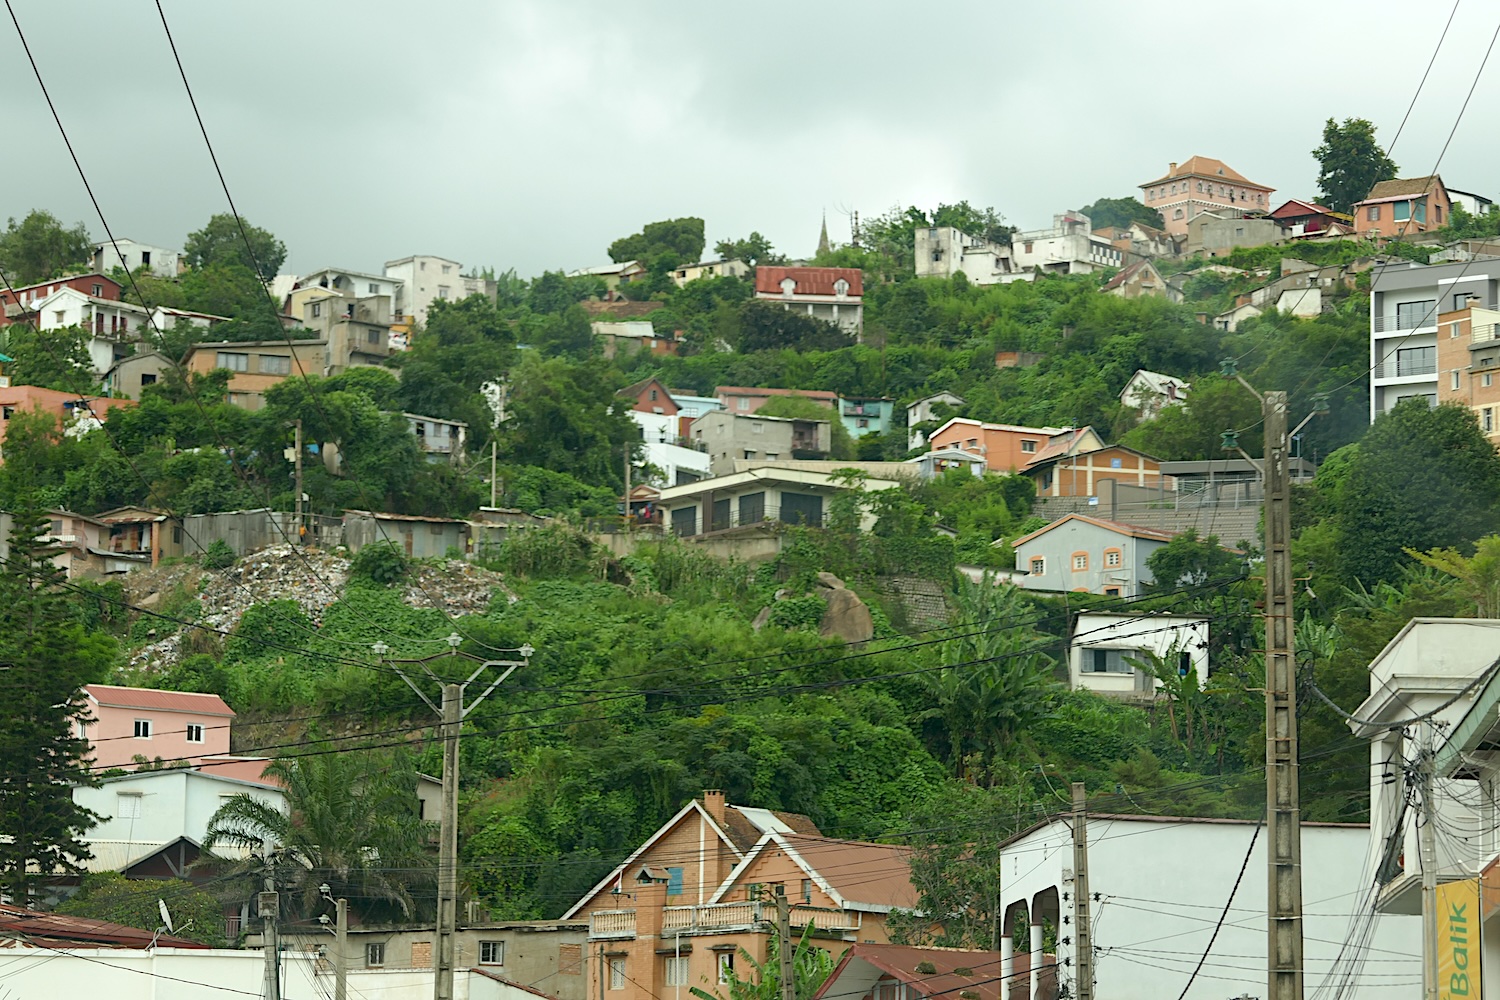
(728, 436)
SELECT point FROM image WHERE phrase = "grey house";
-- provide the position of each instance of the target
(727, 436)
(1082, 553)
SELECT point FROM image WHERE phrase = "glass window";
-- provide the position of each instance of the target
(1410, 315)
(233, 361)
(1419, 211)
(128, 805)
(1080, 561)
(1487, 379)
(194, 733)
(1489, 419)
(677, 970)
(1038, 565)
(374, 955)
(1453, 382)
(1416, 360)
(1401, 211)
(674, 881)
(1108, 661)
(617, 973)
(1028, 446)
(492, 953)
(1111, 558)
(143, 729)
(272, 364)
(726, 967)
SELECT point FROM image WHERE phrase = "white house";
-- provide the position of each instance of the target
(1106, 650)
(1162, 883)
(1069, 247)
(1230, 320)
(143, 812)
(442, 440)
(47, 971)
(130, 255)
(111, 323)
(353, 284)
(1149, 391)
(423, 281)
(943, 251)
(921, 410)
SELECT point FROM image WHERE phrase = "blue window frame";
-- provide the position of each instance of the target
(674, 881)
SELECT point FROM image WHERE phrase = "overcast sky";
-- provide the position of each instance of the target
(531, 134)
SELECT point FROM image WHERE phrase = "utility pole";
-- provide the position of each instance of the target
(784, 945)
(627, 485)
(341, 950)
(1283, 797)
(268, 907)
(1427, 838)
(1082, 930)
(452, 713)
(297, 477)
(493, 443)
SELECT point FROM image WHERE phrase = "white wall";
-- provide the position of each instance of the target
(133, 974)
(1164, 884)
(670, 457)
(127, 254)
(172, 803)
(1163, 635)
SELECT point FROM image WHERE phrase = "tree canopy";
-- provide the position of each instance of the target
(1121, 212)
(40, 246)
(221, 242)
(1350, 163)
(683, 238)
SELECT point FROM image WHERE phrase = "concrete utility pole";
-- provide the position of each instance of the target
(784, 945)
(297, 477)
(452, 713)
(492, 471)
(268, 907)
(627, 486)
(1283, 798)
(1082, 931)
(1427, 838)
(341, 950)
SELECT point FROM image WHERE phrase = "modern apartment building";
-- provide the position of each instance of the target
(1406, 300)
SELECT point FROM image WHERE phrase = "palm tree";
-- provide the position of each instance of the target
(351, 822)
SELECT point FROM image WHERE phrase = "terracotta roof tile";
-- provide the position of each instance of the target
(56, 927)
(1208, 167)
(956, 973)
(860, 872)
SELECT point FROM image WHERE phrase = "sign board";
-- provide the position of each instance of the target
(1458, 940)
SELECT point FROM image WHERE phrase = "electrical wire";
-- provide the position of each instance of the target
(1234, 889)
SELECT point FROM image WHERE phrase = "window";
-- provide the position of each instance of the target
(654, 394)
(674, 881)
(374, 955)
(1453, 381)
(1419, 210)
(420, 428)
(373, 336)
(146, 257)
(373, 288)
(807, 890)
(194, 733)
(128, 805)
(143, 729)
(98, 290)
(757, 427)
(272, 364)
(1416, 361)
(1401, 211)
(1111, 591)
(1029, 447)
(617, 973)
(1410, 315)
(1487, 379)
(743, 403)
(1117, 463)
(58, 316)
(1489, 419)
(56, 528)
(1112, 559)
(1177, 214)
(1080, 561)
(234, 362)
(862, 422)
(492, 953)
(446, 268)
(1107, 661)
(726, 967)
(677, 970)
(442, 291)
(148, 379)
(1372, 213)
(971, 443)
(317, 309)
(421, 265)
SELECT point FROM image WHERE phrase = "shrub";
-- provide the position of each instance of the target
(218, 555)
(380, 562)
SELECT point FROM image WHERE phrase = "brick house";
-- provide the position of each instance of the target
(1403, 206)
(1075, 461)
(1006, 447)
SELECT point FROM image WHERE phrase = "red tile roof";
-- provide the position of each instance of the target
(1208, 167)
(955, 973)
(188, 702)
(69, 931)
(810, 280)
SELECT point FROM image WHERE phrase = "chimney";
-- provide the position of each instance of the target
(713, 804)
(650, 899)
(1171, 168)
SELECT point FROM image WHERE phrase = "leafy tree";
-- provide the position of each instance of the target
(196, 914)
(811, 967)
(54, 359)
(683, 237)
(1192, 431)
(1350, 163)
(228, 289)
(351, 822)
(564, 416)
(1380, 508)
(754, 249)
(1190, 561)
(1479, 573)
(40, 247)
(769, 326)
(1122, 213)
(49, 656)
(984, 222)
(221, 242)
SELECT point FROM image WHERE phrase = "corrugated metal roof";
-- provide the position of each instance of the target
(810, 280)
(191, 703)
(33, 925)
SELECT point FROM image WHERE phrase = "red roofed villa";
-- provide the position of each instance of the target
(832, 294)
(1202, 184)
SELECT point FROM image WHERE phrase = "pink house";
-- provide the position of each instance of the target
(1202, 184)
(172, 725)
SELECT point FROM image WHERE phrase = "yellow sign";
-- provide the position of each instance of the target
(1458, 940)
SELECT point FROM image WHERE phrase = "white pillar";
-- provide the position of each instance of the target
(1007, 964)
(1036, 962)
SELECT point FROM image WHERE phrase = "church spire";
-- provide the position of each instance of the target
(823, 245)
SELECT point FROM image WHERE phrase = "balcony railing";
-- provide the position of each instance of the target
(1415, 319)
(1485, 333)
(612, 924)
(710, 917)
(1394, 368)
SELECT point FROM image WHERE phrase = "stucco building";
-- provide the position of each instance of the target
(1005, 447)
(943, 251)
(1404, 206)
(832, 294)
(1202, 184)
(726, 436)
(1088, 554)
(257, 365)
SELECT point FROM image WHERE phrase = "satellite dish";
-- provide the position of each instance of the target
(166, 918)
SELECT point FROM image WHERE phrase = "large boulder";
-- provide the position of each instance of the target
(847, 616)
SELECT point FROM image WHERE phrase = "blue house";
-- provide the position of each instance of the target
(866, 415)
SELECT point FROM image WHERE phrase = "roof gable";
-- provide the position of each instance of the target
(1403, 187)
(151, 699)
(1210, 169)
(856, 875)
(1131, 530)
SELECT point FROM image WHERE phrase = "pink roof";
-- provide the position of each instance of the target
(75, 931)
(741, 390)
(190, 703)
(810, 280)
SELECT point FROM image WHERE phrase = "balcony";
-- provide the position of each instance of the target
(1416, 319)
(712, 918)
(1485, 334)
(1394, 368)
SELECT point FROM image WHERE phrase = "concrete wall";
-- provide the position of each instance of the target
(549, 953)
(1134, 635)
(1214, 236)
(166, 804)
(1058, 546)
(162, 974)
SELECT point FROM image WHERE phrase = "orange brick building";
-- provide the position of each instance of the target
(1075, 462)
(68, 407)
(1468, 364)
(679, 911)
(1005, 447)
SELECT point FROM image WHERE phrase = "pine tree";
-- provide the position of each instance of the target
(46, 656)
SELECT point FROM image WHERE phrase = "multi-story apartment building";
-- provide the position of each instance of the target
(1406, 303)
(943, 251)
(1468, 363)
(1202, 184)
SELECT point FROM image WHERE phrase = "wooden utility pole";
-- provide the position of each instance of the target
(1083, 934)
(1283, 799)
(784, 945)
(452, 712)
(268, 908)
(297, 478)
